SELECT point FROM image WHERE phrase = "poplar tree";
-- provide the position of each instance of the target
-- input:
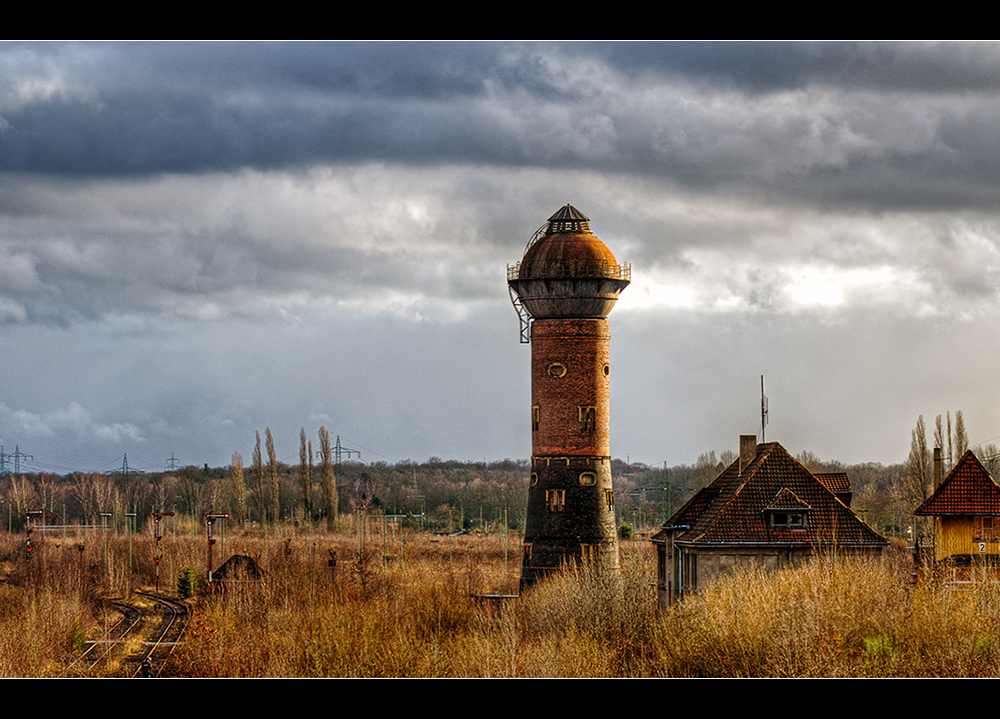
(305, 473)
(918, 472)
(961, 438)
(957, 439)
(239, 488)
(272, 475)
(919, 462)
(951, 452)
(257, 477)
(328, 479)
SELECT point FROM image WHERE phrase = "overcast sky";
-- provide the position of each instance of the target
(199, 241)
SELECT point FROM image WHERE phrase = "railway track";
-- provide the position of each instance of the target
(99, 656)
(150, 628)
(167, 635)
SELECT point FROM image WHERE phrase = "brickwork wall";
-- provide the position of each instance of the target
(578, 350)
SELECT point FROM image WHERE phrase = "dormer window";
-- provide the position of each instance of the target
(786, 511)
(788, 520)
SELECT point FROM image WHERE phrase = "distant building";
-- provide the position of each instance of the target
(966, 512)
(766, 510)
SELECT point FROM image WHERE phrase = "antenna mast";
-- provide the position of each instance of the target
(763, 409)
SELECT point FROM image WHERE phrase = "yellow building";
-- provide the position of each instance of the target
(966, 511)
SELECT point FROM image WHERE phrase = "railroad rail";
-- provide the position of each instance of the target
(156, 628)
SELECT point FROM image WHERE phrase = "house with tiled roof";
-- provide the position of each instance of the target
(966, 511)
(765, 509)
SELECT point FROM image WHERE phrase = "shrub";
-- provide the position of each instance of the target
(187, 583)
(77, 639)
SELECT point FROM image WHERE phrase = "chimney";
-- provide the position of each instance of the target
(748, 450)
(938, 470)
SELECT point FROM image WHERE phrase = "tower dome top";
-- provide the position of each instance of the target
(567, 218)
(566, 271)
(565, 247)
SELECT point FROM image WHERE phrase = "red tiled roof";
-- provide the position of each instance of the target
(695, 506)
(733, 509)
(836, 482)
(968, 489)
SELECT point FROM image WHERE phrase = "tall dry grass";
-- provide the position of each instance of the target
(424, 615)
(835, 617)
(413, 607)
(46, 607)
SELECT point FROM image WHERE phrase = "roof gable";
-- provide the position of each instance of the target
(787, 499)
(773, 480)
(968, 489)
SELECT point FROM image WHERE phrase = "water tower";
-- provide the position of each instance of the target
(563, 289)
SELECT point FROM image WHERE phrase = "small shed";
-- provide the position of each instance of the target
(239, 568)
(966, 512)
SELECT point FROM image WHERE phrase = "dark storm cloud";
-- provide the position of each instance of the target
(760, 67)
(149, 108)
(869, 125)
(701, 114)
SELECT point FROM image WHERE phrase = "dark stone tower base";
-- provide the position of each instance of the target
(571, 517)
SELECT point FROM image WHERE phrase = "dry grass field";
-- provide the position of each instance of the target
(410, 607)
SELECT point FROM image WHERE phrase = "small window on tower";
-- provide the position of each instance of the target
(607, 370)
(588, 479)
(590, 552)
(588, 418)
(557, 369)
(526, 553)
(609, 494)
(536, 417)
(555, 499)
(534, 478)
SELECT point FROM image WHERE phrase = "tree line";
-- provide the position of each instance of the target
(436, 494)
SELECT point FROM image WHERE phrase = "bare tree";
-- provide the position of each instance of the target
(706, 469)
(159, 493)
(21, 497)
(96, 493)
(989, 455)
(48, 491)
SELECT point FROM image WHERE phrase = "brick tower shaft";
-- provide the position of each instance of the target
(571, 514)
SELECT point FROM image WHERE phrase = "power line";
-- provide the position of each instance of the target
(17, 457)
